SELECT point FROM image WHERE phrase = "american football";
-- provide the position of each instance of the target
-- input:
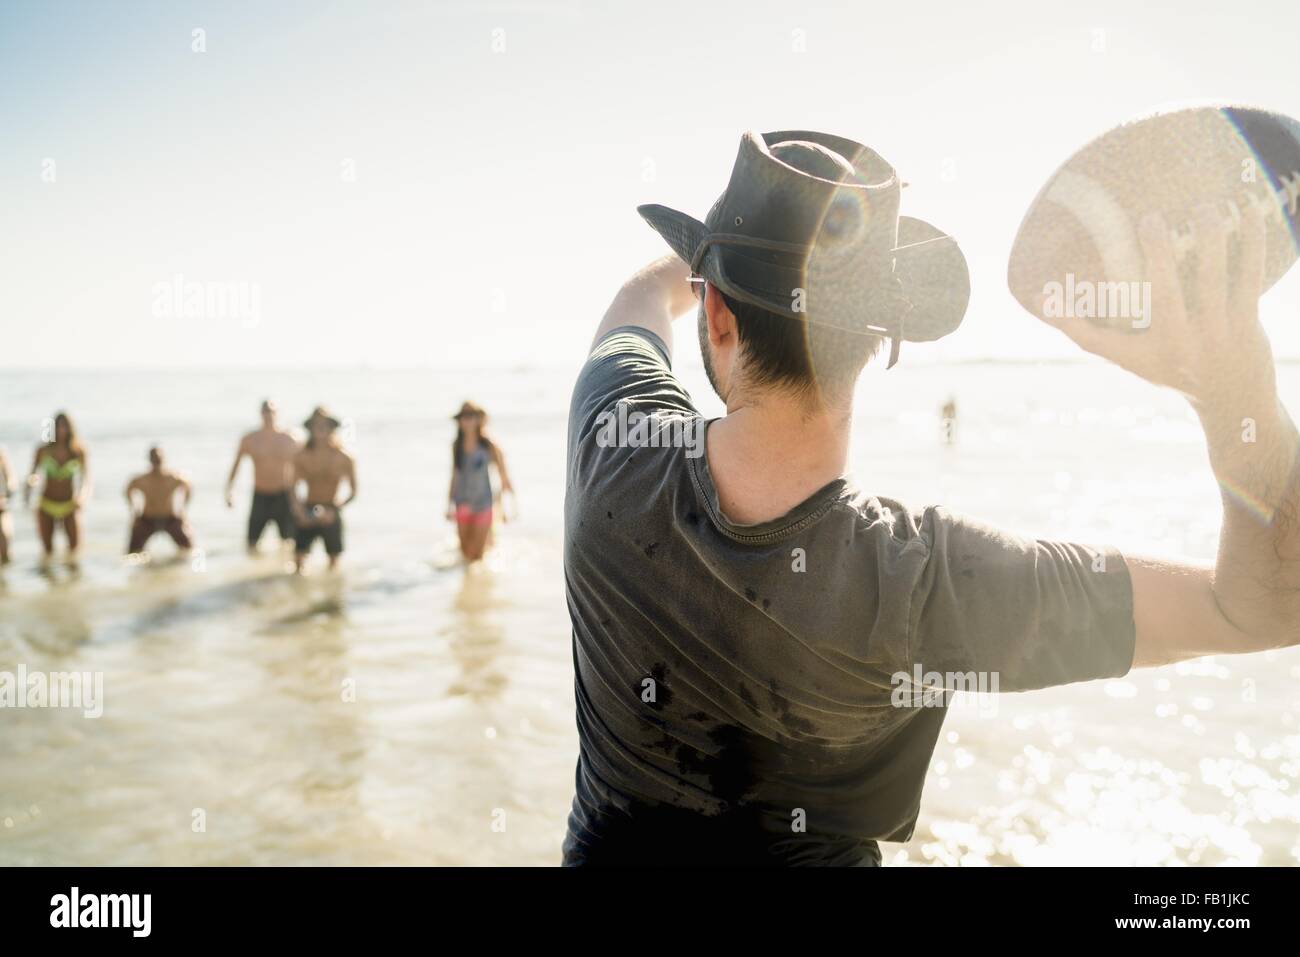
(1077, 251)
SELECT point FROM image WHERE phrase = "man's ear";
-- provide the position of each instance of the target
(721, 321)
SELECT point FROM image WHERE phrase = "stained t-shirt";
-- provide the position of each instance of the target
(740, 691)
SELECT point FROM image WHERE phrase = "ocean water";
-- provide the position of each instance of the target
(405, 711)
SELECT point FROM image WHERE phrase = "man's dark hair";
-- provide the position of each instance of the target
(797, 355)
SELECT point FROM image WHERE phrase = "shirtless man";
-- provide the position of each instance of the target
(157, 490)
(322, 465)
(272, 450)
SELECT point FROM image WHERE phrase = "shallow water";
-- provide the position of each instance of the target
(405, 711)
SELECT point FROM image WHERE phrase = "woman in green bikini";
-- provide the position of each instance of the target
(61, 463)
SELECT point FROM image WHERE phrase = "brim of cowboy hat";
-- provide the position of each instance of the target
(927, 261)
(335, 423)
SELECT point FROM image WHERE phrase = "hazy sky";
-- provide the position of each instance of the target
(455, 183)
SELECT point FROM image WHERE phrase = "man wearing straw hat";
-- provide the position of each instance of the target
(322, 465)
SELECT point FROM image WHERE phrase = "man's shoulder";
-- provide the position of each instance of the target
(629, 338)
(623, 357)
(875, 521)
(629, 366)
(280, 437)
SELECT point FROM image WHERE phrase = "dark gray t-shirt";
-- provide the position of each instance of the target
(739, 698)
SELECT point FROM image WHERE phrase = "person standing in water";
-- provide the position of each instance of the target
(272, 450)
(948, 421)
(470, 495)
(322, 465)
(157, 489)
(61, 463)
(6, 523)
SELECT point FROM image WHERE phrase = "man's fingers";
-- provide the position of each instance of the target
(1211, 263)
(1161, 272)
(1248, 281)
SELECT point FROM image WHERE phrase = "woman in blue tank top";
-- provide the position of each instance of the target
(471, 496)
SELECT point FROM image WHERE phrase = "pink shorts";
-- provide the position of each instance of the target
(464, 516)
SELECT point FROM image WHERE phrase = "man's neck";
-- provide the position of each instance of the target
(768, 455)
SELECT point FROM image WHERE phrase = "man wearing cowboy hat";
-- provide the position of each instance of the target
(748, 624)
(322, 465)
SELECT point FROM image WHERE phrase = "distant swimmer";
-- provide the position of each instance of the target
(61, 466)
(272, 450)
(948, 421)
(322, 466)
(6, 489)
(471, 498)
(156, 490)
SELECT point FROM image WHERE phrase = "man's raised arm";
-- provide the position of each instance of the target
(651, 299)
(1210, 346)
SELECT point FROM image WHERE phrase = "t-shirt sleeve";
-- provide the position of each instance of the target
(630, 364)
(1034, 613)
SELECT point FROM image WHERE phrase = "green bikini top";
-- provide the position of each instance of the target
(53, 470)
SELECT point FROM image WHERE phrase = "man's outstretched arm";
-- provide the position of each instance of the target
(651, 299)
(1210, 346)
(1249, 600)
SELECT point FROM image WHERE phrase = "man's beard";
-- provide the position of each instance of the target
(702, 326)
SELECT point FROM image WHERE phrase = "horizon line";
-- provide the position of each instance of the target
(508, 367)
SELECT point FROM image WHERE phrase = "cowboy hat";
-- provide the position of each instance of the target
(809, 228)
(469, 408)
(319, 414)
